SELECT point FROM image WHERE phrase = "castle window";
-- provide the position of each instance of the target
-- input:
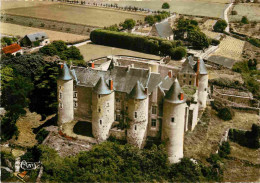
(135, 114)
(99, 110)
(153, 122)
(75, 104)
(117, 100)
(189, 82)
(184, 75)
(60, 87)
(183, 81)
(98, 96)
(172, 120)
(60, 96)
(75, 94)
(107, 104)
(190, 76)
(154, 109)
(126, 108)
(135, 127)
(205, 89)
(61, 105)
(100, 122)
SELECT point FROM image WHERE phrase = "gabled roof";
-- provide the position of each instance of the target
(138, 92)
(173, 95)
(37, 36)
(187, 67)
(65, 73)
(12, 48)
(101, 87)
(203, 69)
(164, 29)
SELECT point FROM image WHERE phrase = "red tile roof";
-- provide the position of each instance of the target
(12, 48)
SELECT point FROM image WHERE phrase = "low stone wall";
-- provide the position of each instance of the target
(117, 133)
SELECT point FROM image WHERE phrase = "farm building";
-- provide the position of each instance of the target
(13, 49)
(163, 30)
(150, 100)
(35, 39)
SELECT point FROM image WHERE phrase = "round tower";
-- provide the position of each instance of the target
(103, 99)
(138, 115)
(202, 82)
(65, 95)
(173, 122)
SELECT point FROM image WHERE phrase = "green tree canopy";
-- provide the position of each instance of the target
(198, 39)
(128, 24)
(220, 25)
(244, 20)
(150, 20)
(165, 6)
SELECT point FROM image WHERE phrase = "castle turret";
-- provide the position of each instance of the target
(173, 121)
(138, 115)
(103, 98)
(65, 95)
(201, 82)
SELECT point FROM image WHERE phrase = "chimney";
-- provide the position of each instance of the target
(146, 90)
(181, 96)
(61, 66)
(92, 65)
(111, 84)
(170, 73)
(198, 71)
(132, 65)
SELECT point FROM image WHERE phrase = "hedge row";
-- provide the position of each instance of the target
(246, 138)
(151, 45)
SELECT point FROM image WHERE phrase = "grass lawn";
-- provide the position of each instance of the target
(18, 30)
(76, 14)
(190, 7)
(19, 4)
(92, 51)
(251, 10)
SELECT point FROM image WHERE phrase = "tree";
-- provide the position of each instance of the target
(244, 20)
(198, 39)
(178, 53)
(220, 25)
(129, 24)
(8, 126)
(7, 74)
(226, 113)
(150, 20)
(50, 50)
(165, 6)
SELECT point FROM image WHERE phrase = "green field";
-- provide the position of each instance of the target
(252, 11)
(202, 8)
(76, 14)
(92, 51)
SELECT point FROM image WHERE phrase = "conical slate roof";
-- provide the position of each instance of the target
(138, 91)
(203, 69)
(101, 87)
(65, 73)
(173, 95)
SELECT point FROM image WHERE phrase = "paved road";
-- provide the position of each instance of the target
(80, 44)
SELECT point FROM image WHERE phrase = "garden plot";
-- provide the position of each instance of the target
(189, 7)
(92, 51)
(92, 16)
(18, 30)
(252, 11)
(230, 48)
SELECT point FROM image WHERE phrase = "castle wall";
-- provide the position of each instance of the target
(65, 99)
(102, 115)
(193, 111)
(173, 132)
(83, 110)
(202, 89)
(136, 134)
(187, 79)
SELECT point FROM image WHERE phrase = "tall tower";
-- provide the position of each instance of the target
(201, 82)
(65, 95)
(173, 122)
(103, 99)
(138, 115)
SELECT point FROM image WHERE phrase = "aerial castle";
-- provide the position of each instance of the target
(153, 105)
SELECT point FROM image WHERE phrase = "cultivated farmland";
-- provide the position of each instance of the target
(18, 30)
(92, 51)
(252, 11)
(201, 8)
(19, 4)
(99, 17)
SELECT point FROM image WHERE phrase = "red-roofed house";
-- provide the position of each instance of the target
(13, 49)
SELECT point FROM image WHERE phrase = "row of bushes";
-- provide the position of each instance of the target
(246, 138)
(228, 83)
(152, 19)
(151, 45)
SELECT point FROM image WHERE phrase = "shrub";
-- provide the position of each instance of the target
(42, 25)
(220, 25)
(165, 6)
(255, 42)
(215, 42)
(233, 12)
(5, 174)
(178, 53)
(129, 24)
(30, 24)
(244, 20)
(217, 105)
(41, 135)
(224, 149)
(226, 113)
